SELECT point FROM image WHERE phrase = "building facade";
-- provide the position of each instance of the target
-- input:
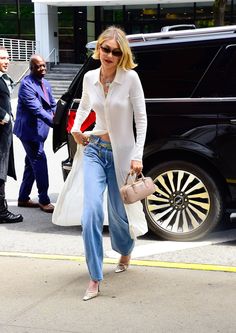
(64, 27)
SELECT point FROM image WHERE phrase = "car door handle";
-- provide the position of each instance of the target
(233, 121)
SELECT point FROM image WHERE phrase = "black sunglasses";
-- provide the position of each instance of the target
(115, 52)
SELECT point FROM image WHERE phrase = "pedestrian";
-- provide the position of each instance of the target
(34, 117)
(115, 93)
(7, 166)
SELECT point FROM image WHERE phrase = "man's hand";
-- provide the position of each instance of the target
(2, 122)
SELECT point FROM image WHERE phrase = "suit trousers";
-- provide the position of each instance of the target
(99, 173)
(2, 188)
(36, 169)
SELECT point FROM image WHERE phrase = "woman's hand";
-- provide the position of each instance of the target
(136, 167)
(80, 138)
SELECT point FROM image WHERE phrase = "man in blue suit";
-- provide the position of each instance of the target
(34, 117)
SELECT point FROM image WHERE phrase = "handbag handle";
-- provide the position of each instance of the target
(133, 180)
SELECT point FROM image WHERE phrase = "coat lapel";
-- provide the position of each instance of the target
(4, 87)
(39, 89)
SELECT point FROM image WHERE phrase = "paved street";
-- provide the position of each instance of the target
(44, 296)
(169, 287)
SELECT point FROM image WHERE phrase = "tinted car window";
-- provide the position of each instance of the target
(160, 71)
(220, 80)
(229, 88)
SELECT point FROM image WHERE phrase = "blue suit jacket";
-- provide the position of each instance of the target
(34, 113)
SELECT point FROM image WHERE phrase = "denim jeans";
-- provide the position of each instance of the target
(99, 173)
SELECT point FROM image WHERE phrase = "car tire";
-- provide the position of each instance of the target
(187, 203)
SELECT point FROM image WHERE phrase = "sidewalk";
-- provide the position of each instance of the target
(45, 296)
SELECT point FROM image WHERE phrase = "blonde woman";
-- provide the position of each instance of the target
(115, 93)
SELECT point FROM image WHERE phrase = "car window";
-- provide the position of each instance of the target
(173, 72)
(220, 80)
(229, 84)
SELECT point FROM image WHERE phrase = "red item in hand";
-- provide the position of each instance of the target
(88, 121)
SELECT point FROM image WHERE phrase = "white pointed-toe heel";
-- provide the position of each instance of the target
(91, 293)
(122, 266)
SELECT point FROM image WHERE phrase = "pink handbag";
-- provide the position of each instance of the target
(139, 189)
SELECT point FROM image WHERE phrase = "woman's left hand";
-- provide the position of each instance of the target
(136, 167)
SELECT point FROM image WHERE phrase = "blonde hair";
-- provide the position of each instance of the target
(126, 61)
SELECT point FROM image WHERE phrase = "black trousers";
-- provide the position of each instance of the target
(2, 188)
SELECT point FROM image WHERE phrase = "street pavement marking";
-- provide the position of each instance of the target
(147, 263)
(158, 247)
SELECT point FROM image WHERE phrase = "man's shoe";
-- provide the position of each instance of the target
(8, 217)
(28, 204)
(49, 208)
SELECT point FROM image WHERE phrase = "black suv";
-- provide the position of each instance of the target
(189, 81)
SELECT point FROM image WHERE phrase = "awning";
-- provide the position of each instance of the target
(75, 3)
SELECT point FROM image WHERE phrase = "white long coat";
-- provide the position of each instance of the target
(115, 114)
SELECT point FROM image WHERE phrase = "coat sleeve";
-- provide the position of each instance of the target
(140, 117)
(2, 113)
(30, 99)
(84, 107)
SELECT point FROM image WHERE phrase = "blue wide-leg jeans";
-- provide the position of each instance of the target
(99, 173)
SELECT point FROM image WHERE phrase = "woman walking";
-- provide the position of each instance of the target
(115, 93)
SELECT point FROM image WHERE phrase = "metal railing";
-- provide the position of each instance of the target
(20, 77)
(19, 49)
(53, 54)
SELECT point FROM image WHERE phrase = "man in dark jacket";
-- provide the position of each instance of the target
(7, 167)
(34, 117)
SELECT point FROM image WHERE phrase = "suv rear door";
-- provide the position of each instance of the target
(220, 85)
(169, 76)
